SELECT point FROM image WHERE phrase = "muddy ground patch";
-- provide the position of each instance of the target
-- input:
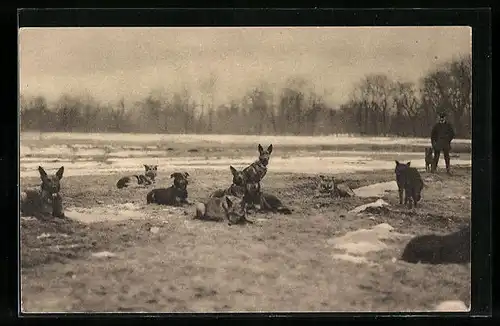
(166, 261)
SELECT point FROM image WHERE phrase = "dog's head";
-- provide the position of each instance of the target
(51, 184)
(151, 171)
(401, 167)
(326, 184)
(238, 177)
(264, 155)
(235, 209)
(180, 180)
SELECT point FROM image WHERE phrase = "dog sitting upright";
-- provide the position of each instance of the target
(256, 171)
(46, 200)
(175, 195)
(145, 179)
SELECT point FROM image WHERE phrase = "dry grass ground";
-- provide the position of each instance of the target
(281, 263)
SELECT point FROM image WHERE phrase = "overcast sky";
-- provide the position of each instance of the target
(108, 63)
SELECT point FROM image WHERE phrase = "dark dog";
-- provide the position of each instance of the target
(146, 179)
(453, 248)
(46, 200)
(429, 159)
(256, 171)
(409, 181)
(175, 195)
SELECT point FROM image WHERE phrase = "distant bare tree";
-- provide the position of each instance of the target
(407, 107)
(448, 89)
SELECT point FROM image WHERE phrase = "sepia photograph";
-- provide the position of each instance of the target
(245, 169)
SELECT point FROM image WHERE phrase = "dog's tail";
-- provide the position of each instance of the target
(201, 209)
(150, 197)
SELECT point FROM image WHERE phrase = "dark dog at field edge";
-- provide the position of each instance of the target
(409, 181)
(175, 195)
(453, 248)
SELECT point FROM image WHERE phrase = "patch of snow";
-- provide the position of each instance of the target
(49, 235)
(27, 218)
(352, 259)
(229, 139)
(103, 254)
(452, 306)
(376, 189)
(378, 203)
(362, 241)
(104, 213)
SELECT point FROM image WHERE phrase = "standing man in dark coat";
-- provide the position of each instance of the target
(441, 136)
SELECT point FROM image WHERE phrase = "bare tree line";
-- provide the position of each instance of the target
(377, 105)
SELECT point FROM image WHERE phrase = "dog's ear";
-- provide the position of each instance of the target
(186, 174)
(59, 173)
(270, 149)
(43, 174)
(233, 170)
(260, 148)
(397, 162)
(173, 175)
(155, 167)
(408, 163)
(146, 167)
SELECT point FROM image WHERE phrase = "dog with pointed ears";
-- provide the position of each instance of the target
(256, 171)
(46, 200)
(146, 179)
(236, 189)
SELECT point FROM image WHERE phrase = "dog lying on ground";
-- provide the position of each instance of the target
(46, 200)
(453, 248)
(226, 207)
(146, 179)
(175, 195)
(267, 202)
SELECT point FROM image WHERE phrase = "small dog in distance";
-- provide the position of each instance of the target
(146, 179)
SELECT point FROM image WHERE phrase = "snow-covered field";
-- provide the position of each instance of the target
(85, 154)
(227, 139)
